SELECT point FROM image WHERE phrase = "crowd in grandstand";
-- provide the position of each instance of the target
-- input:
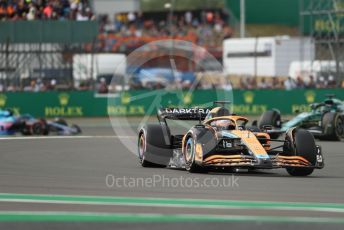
(245, 83)
(208, 27)
(248, 83)
(45, 10)
(288, 84)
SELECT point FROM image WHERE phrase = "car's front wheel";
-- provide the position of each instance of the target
(301, 143)
(189, 155)
(76, 128)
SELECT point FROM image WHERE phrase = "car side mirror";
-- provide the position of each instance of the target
(314, 106)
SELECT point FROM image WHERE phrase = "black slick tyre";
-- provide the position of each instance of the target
(270, 117)
(301, 144)
(153, 150)
(189, 155)
(333, 126)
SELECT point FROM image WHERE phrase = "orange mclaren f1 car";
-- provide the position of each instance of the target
(222, 140)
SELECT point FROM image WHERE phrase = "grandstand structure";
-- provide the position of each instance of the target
(42, 49)
(323, 20)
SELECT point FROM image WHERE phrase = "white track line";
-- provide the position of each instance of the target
(231, 207)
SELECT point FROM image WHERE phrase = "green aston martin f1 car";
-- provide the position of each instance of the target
(325, 120)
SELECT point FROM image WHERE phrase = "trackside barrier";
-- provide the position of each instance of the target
(137, 103)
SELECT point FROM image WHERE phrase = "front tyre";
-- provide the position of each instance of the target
(76, 128)
(301, 143)
(189, 155)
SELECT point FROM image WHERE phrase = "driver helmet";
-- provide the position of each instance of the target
(224, 124)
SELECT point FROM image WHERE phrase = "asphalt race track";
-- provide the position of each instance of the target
(93, 181)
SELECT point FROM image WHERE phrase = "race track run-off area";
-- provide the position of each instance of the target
(92, 181)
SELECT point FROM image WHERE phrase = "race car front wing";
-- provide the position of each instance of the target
(272, 161)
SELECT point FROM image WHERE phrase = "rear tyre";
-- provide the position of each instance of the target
(333, 126)
(38, 128)
(189, 155)
(153, 151)
(303, 145)
(142, 151)
(270, 117)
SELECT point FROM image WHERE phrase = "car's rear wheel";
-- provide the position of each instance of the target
(333, 126)
(153, 150)
(270, 117)
(301, 144)
(142, 151)
(38, 128)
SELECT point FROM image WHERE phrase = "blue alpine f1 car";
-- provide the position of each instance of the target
(26, 124)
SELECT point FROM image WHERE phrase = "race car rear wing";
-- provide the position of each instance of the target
(183, 113)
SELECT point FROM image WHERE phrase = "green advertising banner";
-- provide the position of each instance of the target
(144, 102)
(284, 12)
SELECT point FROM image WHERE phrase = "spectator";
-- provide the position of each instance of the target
(38, 85)
(321, 83)
(275, 83)
(85, 85)
(11, 88)
(45, 9)
(32, 12)
(289, 84)
(48, 11)
(210, 32)
(131, 17)
(331, 82)
(243, 83)
(300, 83)
(188, 17)
(263, 84)
(51, 85)
(102, 88)
(311, 84)
(252, 83)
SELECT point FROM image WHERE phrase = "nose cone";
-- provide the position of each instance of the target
(264, 163)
